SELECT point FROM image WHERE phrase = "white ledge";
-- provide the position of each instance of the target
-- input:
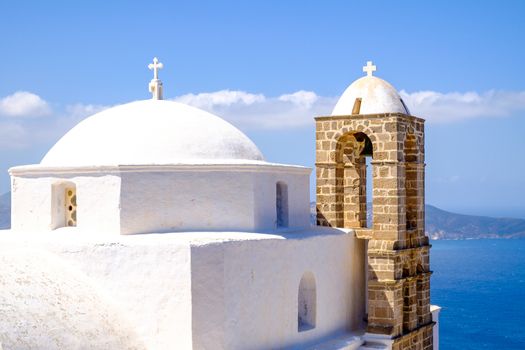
(248, 166)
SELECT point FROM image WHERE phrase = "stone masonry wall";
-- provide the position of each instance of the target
(398, 250)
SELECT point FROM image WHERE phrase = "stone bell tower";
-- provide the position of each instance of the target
(371, 120)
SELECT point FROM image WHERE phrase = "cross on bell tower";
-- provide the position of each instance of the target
(369, 68)
(155, 85)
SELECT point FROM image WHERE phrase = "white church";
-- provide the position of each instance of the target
(157, 225)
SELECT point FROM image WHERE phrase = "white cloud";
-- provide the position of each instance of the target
(78, 111)
(20, 128)
(453, 106)
(24, 104)
(256, 111)
(220, 98)
(245, 110)
(301, 98)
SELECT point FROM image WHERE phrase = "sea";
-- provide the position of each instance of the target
(480, 285)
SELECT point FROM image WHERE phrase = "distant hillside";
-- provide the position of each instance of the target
(5, 210)
(441, 224)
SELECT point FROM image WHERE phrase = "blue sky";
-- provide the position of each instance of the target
(270, 66)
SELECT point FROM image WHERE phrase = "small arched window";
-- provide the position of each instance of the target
(307, 303)
(281, 204)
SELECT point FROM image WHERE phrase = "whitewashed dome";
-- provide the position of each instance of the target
(152, 132)
(377, 96)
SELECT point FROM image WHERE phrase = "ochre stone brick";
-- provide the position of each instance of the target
(399, 271)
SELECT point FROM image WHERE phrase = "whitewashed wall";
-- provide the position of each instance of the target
(149, 199)
(215, 290)
(149, 280)
(186, 201)
(435, 330)
(211, 199)
(245, 294)
(298, 199)
(98, 198)
(146, 278)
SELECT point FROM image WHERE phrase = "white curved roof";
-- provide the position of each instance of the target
(377, 96)
(152, 132)
(47, 305)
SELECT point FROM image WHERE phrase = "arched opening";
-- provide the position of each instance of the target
(281, 204)
(353, 180)
(64, 205)
(306, 303)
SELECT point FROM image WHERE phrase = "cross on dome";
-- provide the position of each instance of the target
(155, 85)
(156, 65)
(369, 68)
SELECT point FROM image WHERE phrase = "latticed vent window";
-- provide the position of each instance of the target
(71, 206)
(63, 204)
